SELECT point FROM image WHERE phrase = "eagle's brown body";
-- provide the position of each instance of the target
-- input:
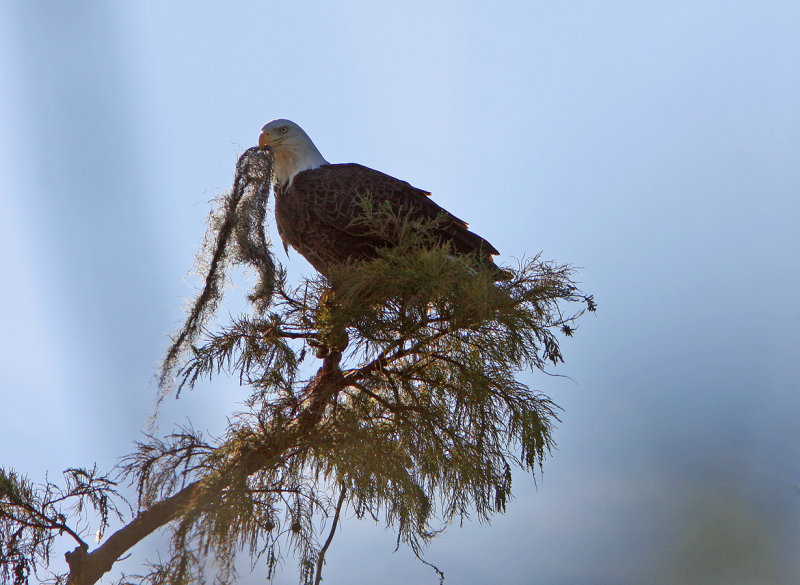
(323, 210)
(318, 215)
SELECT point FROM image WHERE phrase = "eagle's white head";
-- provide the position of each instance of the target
(292, 148)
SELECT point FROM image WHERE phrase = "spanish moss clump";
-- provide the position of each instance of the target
(236, 232)
(391, 390)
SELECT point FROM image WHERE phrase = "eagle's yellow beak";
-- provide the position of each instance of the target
(263, 141)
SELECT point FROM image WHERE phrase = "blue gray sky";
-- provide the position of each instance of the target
(654, 145)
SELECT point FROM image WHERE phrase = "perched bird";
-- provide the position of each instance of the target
(318, 204)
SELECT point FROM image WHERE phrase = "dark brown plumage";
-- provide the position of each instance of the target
(318, 215)
(318, 206)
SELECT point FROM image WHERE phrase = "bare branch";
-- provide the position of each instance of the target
(324, 549)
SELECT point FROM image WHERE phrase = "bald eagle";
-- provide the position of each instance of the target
(318, 204)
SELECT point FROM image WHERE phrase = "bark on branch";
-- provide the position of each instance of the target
(87, 568)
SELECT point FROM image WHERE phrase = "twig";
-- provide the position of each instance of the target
(324, 549)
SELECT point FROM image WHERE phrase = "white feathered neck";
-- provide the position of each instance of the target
(293, 150)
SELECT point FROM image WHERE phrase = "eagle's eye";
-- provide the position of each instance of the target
(283, 129)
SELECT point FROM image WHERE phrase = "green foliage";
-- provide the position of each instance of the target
(427, 420)
(390, 390)
(33, 516)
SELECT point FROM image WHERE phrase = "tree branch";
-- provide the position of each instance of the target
(44, 521)
(86, 568)
(324, 549)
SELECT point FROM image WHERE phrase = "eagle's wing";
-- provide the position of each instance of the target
(334, 193)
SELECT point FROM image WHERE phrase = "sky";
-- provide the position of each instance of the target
(652, 145)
